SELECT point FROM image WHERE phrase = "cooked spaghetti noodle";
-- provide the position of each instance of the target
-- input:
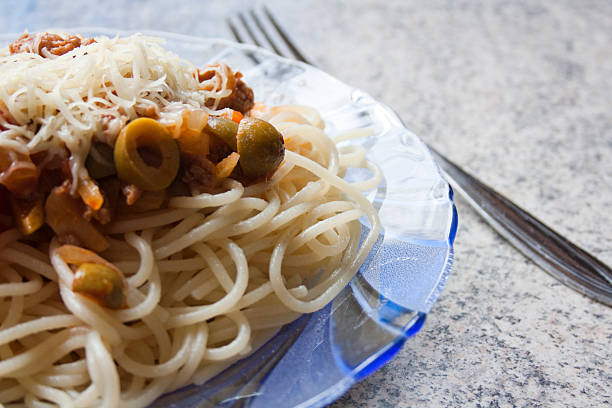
(208, 277)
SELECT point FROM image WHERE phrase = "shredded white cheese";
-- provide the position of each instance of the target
(92, 91)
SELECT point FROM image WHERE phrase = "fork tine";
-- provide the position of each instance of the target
(264, 32)
(240, 38)
(247, 27)
(235, 31)
(282, 34)
(265, 27)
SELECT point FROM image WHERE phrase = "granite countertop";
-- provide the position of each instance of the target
(520, 94)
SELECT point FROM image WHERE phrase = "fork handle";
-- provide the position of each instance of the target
(559, 257)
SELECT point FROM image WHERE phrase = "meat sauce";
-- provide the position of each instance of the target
(44, 44)
(33, 189)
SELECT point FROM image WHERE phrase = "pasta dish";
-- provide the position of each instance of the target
(156, 223)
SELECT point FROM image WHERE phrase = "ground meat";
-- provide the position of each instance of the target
(50, 178)
(218, 149)
(103, 215)
(54, 169)
(46, 44)
(131, 193)
(148, 201)
(241, 99)
(199, 173)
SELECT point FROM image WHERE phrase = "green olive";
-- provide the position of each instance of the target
(146, 155)
(260, 146)
(100, 282)
(224, 129)
(100, 162)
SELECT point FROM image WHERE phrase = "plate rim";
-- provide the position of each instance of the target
(380, 358)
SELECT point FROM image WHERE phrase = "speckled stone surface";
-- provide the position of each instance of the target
(519, 93)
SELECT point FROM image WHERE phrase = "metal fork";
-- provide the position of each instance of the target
(559, 257)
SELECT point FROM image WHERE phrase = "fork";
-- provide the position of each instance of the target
(559, 257)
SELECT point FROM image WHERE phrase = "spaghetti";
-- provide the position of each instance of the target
(207, 276)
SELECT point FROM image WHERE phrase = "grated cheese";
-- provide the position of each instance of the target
(68, 101)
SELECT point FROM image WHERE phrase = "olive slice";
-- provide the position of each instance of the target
(146, 155)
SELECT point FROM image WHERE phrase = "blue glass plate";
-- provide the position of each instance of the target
(315, 359)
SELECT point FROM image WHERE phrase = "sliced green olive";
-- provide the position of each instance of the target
(100, 282)
(224, 129)
(260, 146)
(100, 162)
(146, 155)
